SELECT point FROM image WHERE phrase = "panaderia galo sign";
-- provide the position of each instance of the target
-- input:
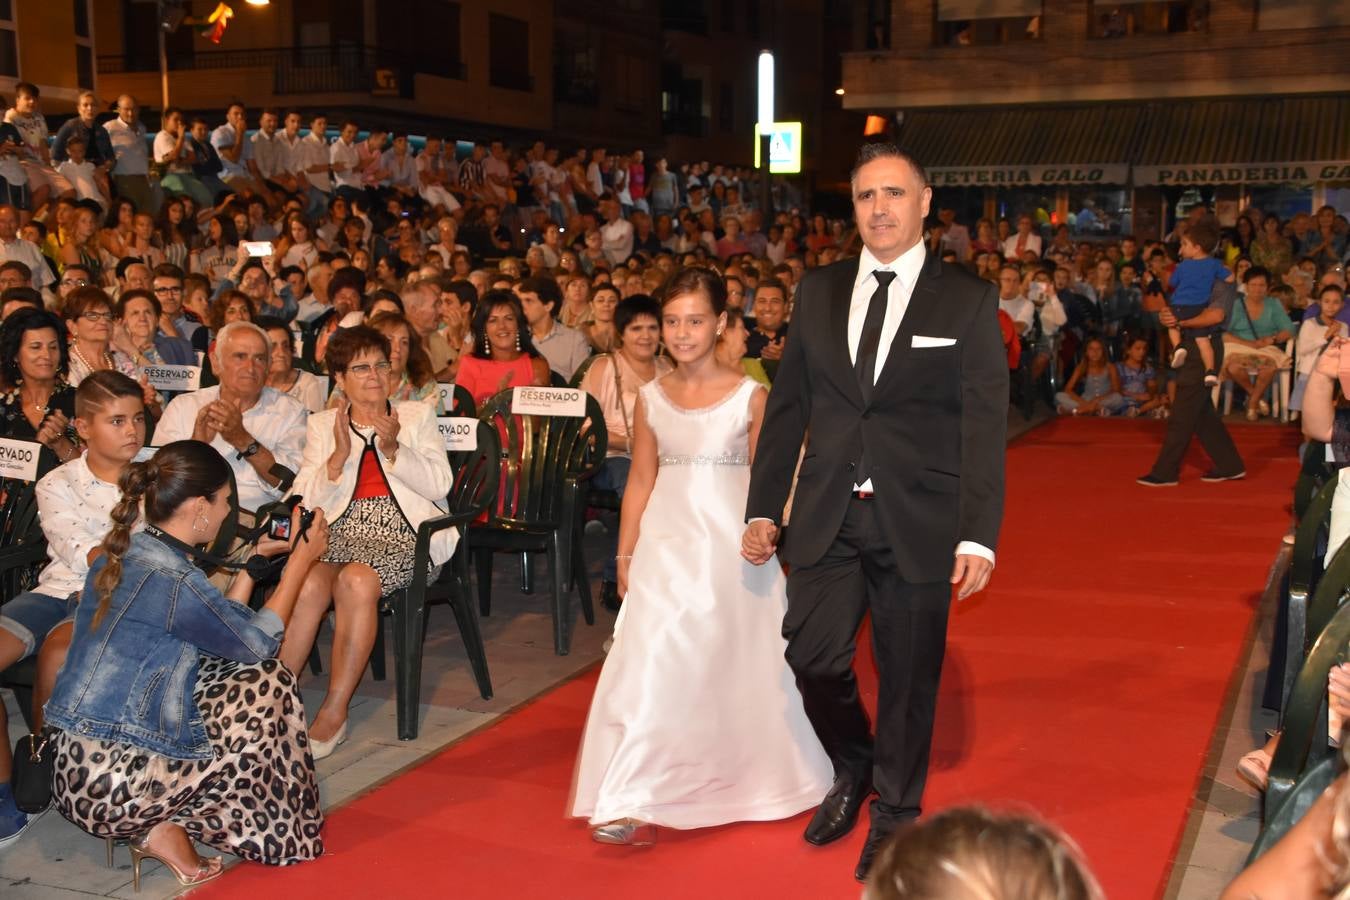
(1245, 173)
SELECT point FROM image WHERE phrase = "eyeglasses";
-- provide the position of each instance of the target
(168, 290)
(363, 369)
(97, 316)
(73, 282)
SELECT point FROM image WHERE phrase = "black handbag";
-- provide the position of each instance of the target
(31, 780)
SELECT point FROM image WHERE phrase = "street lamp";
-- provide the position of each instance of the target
(765, 127)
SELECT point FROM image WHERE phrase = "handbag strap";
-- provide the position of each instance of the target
(618, 388)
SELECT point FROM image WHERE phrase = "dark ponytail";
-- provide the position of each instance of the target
(177, 473)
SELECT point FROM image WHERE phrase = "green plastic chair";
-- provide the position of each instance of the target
(544, 463)
(1305, 574)
(1303, 741)
(477, 474)
(1330, 593)
(23, 555)
(1310, 785)
(582, 369)
(1313, 474)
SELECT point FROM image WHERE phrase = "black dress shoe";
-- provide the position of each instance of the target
(876, 839)
(838, 812)
(609, 596)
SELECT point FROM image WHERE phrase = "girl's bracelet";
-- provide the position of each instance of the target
(621, 556)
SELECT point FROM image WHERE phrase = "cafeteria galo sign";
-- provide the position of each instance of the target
(976, 176)
(1245, 173)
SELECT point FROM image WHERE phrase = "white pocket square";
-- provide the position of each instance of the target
(920, 340)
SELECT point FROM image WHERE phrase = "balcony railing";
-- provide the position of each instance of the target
(308, 70)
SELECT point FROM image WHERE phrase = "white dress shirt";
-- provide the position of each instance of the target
(28, 253)
(313, 151)
(276, 421)
(906, 267)
(75, 509)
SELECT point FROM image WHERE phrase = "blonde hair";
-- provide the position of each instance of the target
(971, 853)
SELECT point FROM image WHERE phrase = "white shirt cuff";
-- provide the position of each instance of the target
(970, 548)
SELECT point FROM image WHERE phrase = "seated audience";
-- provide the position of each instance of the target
(1139, 382)
(258, 430)
(171, 698)
(38, 403)
(613, 380)
(1313, 335)
(75, 502)
(564, 348)
(282, 373)
(502, 354)
(1254, 342)
(90, 318)
(378, 470)
(1094, 386)
(602, 331)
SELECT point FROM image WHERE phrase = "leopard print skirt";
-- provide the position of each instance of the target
(256, 798)
(372, 530)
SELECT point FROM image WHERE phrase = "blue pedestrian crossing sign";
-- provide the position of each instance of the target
(785, 148)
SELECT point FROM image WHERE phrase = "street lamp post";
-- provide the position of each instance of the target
(765, 127)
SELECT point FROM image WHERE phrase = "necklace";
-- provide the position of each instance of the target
(75, 349)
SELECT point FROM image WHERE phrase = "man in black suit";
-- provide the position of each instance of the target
(894, 373)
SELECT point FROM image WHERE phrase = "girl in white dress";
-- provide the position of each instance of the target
(696, 720)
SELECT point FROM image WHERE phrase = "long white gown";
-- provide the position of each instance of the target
(696, 720)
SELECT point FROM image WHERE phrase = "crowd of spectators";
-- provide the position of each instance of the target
(331, 285)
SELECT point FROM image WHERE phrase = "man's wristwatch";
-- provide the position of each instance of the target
(251, 450)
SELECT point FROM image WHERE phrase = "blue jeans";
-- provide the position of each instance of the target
(30, 615)
(613, 476)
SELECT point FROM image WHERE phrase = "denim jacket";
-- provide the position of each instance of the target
(131, 679)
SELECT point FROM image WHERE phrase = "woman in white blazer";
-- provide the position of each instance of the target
(377, 470)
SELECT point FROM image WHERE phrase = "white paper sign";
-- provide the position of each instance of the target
(548, 401)
(173, 378)
(447, 395)
(19, 459)
(460, 432)
(144, 453)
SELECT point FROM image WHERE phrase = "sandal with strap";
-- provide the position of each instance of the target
(206, 870)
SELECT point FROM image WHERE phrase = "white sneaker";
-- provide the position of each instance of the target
(1178, 357)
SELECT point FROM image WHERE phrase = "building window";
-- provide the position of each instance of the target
(509, 52)
(728, 16)
(685, 15)
(726, 107)
(9, 41)
(752, 19)
(1114, 19)
(420, 34)
(574, 79)
(681, 103)
(631, 81)
(84, 45)
(1272, 15)
(977, 23)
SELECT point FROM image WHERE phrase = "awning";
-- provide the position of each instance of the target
(1234, 140)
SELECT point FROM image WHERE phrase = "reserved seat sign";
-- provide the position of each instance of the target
(548, 401)
(460, 432)
(19, 459)
(173, 378)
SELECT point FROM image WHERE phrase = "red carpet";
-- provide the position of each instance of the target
(1084, 685)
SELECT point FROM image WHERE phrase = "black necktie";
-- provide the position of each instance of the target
(865, 364)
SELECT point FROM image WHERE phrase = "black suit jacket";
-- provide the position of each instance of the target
(934, 431)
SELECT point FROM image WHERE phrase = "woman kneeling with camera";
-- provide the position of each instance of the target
(378, 470)
(173, 720)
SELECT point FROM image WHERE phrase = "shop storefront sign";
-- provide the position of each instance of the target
(994, 176)
(1245, 173)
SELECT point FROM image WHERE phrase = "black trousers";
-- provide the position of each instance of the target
(826, 604)
(1193, 414)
